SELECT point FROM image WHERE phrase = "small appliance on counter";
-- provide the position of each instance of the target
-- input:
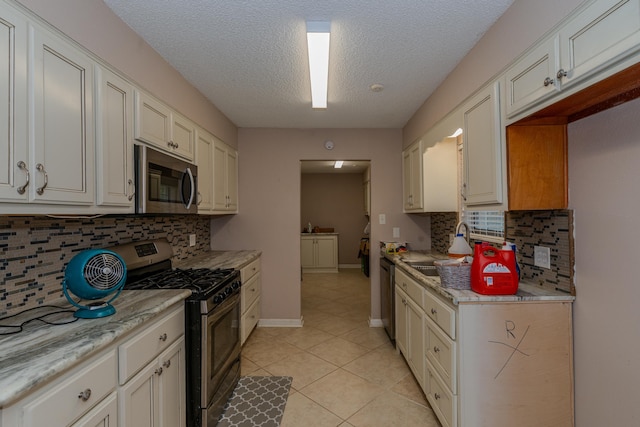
(93, 274)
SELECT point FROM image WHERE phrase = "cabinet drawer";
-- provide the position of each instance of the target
(250, 320)
(411, 287)
(249, 270)
(140, 349)
(443, 402)
(62, 404)
(440, 350)
(250, 290)
(443, 315)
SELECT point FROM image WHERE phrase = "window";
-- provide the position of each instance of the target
(485, 225)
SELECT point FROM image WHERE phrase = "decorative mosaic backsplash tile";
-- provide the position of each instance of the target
(553, 229)
(34, 251)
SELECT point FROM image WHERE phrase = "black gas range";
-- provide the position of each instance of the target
(212, 319)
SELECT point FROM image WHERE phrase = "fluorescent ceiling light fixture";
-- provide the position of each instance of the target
(338, 164)
(458, 132)
(318, 37)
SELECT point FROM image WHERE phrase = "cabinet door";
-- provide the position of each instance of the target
(605, 31)
(401, 321)
(171, 387)
(152, 121)
(103, 415)
(204, 157)
(232, 180)
(219, 176)
(532, 79)
(307, 252)
(327, 252)
(63, 144)
(415, 340)
(412, 177)
(483, 148)
(139, 397)
(114, 142)
(13, 107)
(182, 136)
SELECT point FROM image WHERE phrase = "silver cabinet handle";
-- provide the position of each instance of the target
(158, 371)
(163, 337)
(463, 193)
(436, 349)
(166, 363)
(434, 311)
(436, 395)
(133, 193)
(40, 168)
(198, 199)
(85, 395)
(561, 73)
(23, 166)
(548, 81)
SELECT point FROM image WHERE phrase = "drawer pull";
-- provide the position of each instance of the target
(85, 395)
(253, 289)
(436, 349)
(23, 166)
(167, 363)
(159, 371)
(41, 169)
(548, 81)
(163, 337)
(436, 396)
(434, 311)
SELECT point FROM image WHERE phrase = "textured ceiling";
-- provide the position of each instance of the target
(249, 56)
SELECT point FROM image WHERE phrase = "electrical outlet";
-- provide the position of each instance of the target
(542, 256)
(396, 232)
(192, 239)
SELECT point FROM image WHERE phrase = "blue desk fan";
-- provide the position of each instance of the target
(91, 275)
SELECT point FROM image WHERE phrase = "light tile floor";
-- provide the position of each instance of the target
(344, 372)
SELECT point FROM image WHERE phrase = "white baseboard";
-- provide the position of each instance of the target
(281, 323)
(375, 323)
(349, 266)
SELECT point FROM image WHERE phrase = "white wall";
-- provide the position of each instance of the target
(269, 192)
(604, 185)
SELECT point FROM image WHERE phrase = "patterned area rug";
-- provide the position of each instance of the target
(256, 401)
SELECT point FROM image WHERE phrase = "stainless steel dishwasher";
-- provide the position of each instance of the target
(387, 297)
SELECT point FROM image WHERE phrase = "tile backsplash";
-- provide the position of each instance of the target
(34, 250)
(553, 229)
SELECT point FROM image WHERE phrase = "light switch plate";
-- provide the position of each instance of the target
(192, 239)
(542, 256)
(396, 232)
(382, 219)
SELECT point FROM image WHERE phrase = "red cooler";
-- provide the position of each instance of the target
(493, 271)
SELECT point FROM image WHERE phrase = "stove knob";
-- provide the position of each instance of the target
(218, 298)
(228, 290)
(235, 285)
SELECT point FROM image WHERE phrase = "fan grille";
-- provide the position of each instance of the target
(104, 271)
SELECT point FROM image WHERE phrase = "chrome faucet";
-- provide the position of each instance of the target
(466, 226)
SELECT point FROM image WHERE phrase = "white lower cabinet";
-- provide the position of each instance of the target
(105, 414)
(249, 298)
(488, 363)
(319, 253)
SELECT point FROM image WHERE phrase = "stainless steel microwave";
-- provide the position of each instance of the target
(164, 184)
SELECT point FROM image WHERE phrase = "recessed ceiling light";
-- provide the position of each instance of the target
(318, 38)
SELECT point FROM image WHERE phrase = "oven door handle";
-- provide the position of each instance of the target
(192, 188)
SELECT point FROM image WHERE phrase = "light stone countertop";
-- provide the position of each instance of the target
(527, 290)
(41, 352)
(220, 259)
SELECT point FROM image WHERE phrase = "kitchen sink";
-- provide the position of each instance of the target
(425, 267)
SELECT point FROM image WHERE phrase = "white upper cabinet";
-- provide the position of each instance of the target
(114, 141)
(483, 149)
(62, 138)
(601, 34)
(204, 158)
(225, 178)
(158, 125)
(412, 177)
(14, 168)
